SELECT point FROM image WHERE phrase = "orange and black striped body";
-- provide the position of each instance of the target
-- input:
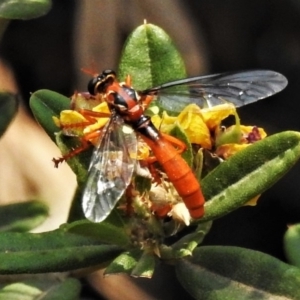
(176, 168)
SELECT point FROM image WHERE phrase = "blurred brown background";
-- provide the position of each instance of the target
(213, 36)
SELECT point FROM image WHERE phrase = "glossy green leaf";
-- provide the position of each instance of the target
(55, 251)
(150, 57)
(219, 272)
(8, 108)
(248, 173)
(42, 289)
(22, 216)
(46, 104)
(24, 9)
(292, 244)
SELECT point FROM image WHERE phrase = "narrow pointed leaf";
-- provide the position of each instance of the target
(292, 244)
(145, 266)
(179, 133)
(124, 263)
(192, 240)
(248, 173)
(217, 272)
(150, 57)
(24, 9)
(44, 105)
(68, 289)
(106, 232)
(22, 216)
(54, 251)
(8, 108)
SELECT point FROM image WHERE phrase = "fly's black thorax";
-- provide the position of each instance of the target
(122, 100)
(125, 102)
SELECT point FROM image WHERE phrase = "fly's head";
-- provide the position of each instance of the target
(102, 82)
(120, 97)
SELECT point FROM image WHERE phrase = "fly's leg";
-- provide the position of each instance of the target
(179, 145)
(85, 144)
(91, 118)
(149, 161)
(91, 115)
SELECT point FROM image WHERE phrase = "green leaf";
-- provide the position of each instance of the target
(68, 289)
(150, 57)
(24, 9)
(248, 173)
(292, 244)
(179, 133)
(105, 231)
(46, 104)
(78, 163)
(145, 266)
(55, 251)
(124, 263)
(22, 216)
(218, 272)
(192, 240)
(8, 108)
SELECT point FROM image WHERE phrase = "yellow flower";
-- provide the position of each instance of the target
(164, 123)
(193, 123)
(76, 123)
(252, 134)
(249, 135)
(71, 122)
(190, 120)
(100, 122)
(213, 116)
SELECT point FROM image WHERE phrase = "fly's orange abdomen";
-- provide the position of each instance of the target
(180, 174)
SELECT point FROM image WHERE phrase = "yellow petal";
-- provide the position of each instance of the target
(71, 122)
(56, 121)
(165, 123)
(69, 117)
(248, 129)
(101, 121)
(214, 115)
(102, 107)
(192, 122)
(156, 120)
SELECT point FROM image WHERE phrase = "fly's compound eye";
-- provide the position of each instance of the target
(92, 85)
(100, 83)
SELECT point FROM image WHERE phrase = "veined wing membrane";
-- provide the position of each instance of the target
(110, 170)
(239, 88)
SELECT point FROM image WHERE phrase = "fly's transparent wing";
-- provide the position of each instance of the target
(239, 88)
(110, 170)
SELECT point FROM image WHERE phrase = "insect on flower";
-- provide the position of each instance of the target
(113, 161)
